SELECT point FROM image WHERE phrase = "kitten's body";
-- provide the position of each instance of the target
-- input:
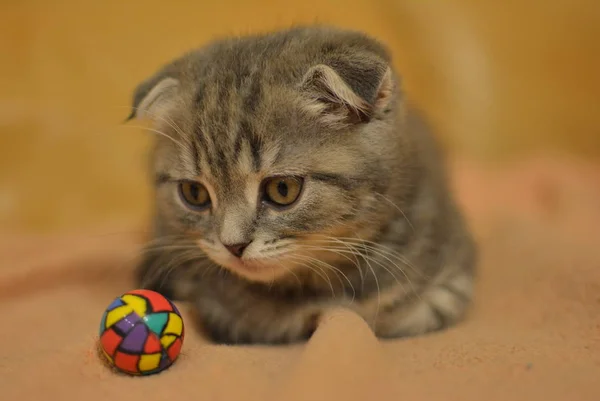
(374, 227)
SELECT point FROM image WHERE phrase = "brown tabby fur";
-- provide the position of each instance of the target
(375, 228)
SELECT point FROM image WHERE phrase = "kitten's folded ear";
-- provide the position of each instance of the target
(348, 94)
(154, 97)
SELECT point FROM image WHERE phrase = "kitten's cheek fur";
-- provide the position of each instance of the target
(259, 274)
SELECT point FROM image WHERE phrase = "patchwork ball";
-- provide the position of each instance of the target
(141, 332)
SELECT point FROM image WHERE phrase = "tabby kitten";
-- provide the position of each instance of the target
(292, 176)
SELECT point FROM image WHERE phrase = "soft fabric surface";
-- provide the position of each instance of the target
(533, 333)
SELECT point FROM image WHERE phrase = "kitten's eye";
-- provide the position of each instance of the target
(194, 195)
(282, 191)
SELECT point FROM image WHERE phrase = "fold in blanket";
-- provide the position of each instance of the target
(533, 333)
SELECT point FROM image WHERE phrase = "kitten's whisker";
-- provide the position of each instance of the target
(382, 249)
(355, 261)
(175, 141)
(177, 129)
(370, 258)
(374, 324)
(184, 258)
(373, 249)
(374, 246)
(158, 247)
(347, 250)
(208, 269)
(291, 271)
(318, 272)
(167, 120)
(172, 265)
(408, 280)
(277, 247)
(294, 274)
(397, 207)
(336, 271)
(356, 254)
(125, 263)
(414, 291)
(167, 238)
(272, 277)
(365, 257)
(313, 268)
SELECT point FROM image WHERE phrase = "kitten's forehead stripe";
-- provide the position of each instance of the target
(256, 156)
(221, 159)
(348, 184)
(237, 147)
(253, 95)
(224, 105)
(250, 136)
(200, 95)
(196, 156)
(200, 140)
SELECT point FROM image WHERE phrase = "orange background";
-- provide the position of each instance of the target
(498, 81)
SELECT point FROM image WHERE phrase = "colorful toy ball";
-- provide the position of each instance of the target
(141, 332)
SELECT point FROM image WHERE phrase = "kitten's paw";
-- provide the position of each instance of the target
(255, 324)
(229, 335)
(440, 306)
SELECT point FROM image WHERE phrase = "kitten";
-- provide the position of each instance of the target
(291, 175)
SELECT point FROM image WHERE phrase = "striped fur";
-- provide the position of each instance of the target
(375, 228)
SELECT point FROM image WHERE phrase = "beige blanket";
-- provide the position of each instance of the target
(533, 334)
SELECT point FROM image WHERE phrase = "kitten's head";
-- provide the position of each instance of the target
(271, 147)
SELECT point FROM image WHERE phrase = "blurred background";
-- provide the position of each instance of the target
(499, 80)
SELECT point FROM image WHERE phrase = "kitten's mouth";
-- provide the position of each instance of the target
(259, 270)
(246, 264)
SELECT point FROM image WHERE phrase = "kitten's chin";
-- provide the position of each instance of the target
(257, 270)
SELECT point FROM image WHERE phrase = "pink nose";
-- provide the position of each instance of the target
(237, 249)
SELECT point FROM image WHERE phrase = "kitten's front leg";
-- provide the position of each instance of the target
(444, 294)
(441, 305)
(233, 312)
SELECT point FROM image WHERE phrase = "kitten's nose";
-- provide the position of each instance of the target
(237, 249)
